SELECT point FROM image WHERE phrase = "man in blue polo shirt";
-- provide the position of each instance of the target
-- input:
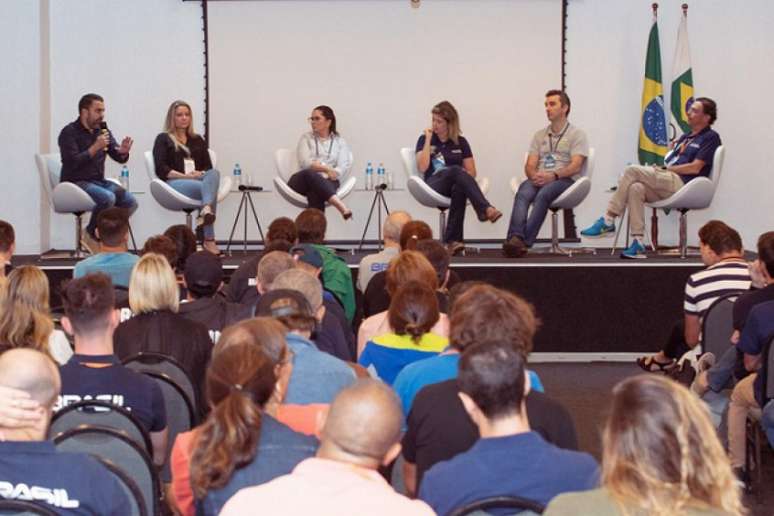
(31, 468)
(94, 372)
(113, 258)
(510, 459)
(691, 156)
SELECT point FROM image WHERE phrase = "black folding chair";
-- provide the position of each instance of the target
(755, 434)
(24, 508)
(133, 493)
(520, 505)
(101, 414)
(717, 325)
(149, 361)
(120, 449)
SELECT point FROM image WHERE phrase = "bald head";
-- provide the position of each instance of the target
(363, 423)
(394, 224)
(32, 372)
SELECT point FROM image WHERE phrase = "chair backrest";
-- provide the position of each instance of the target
(118, 448)
(717, 165)
(99, 413)
(500, 502)
(150, 165)
(409, 159)
(159, 363)
(49, 169)
(286, 163)
(24, 508)
(768, 370)
(137, 506)
(717, 325)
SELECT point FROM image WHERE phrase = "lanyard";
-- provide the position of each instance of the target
(684, 145)
(317, 149)
(551, 138)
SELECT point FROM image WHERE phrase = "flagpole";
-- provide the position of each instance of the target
(654, 214)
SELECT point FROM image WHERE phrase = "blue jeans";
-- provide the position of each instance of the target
(106, 194)
(721, 375)
(205, 190)
(768, 421)
(541, 197)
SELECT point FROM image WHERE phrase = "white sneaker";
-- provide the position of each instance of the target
(706, 361)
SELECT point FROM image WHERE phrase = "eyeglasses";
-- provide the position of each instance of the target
(315, 118)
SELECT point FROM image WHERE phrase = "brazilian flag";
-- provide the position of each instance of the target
(653, 128)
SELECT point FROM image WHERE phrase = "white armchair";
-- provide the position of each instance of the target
(286, 164)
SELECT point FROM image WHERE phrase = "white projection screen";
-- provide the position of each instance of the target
(382, 65)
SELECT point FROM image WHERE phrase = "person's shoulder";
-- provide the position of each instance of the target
(163, 139)
(290, 436)
(595, 501)
(69, 128)
(762, 311)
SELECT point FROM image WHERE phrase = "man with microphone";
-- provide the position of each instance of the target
(83, 145)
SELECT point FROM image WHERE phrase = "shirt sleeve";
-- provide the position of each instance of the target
(409, 441)
(751, 342)
(689, 303)
(161, 156)
(203, 161)
(580, 144)
(466, 151)
(71, 155)
(420, 143)
(344, 157)
(159, 409)
(534, 146)
(706, 152)
(304, 152)
(113, 150)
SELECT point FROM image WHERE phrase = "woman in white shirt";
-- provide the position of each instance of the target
(325, 157)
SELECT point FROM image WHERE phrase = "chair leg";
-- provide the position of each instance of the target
(189, 220)
(441, 224)
(618, 231)
(683, 234)
(78, 252)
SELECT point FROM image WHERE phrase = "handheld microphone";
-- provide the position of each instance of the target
(104, 130)
(382, 186)
(248, 188)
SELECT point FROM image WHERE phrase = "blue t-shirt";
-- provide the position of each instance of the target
(688, 148)
(69, 483)
(435, 370)
(757, 331)
(390, 353)
(317, 377)
(114, 384)
(116, 265)
(444, 154)
(523, 465)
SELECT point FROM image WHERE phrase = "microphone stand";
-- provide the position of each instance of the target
(377, 204)
(245, 189)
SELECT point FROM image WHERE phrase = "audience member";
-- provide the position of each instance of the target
(361, 433)
(30, 466)
(113, 258)
(660, 455)
(407, 266)
(726, 273)
(412, 315)
(493, 385)
(163, 245)
(280, 236)
(185, 245)
(203, 278)
(7, 248)
(94, 372)
(25, 321)
(156, 325)
(241, 444)
(336, 276)
(377, 262)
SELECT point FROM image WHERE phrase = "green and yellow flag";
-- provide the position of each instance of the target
(682, 81)
(653, 132)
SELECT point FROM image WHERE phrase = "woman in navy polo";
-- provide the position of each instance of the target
(445, 158)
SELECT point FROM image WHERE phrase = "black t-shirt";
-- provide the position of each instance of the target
(214, 312)
(444, 154)
(167, 157)
(114, 384)
(439, 428)
(376, 299)
(746, 301)
(68, 483)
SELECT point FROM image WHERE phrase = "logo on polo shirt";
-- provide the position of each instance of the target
(21, 491)
(64, 400)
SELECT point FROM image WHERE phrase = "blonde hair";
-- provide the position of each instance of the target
(169, 124)
(661, 453)
(446, 110)
(153, 285)
(24, 318)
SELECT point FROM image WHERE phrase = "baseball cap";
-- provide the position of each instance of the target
(307, 253)
(203, 273)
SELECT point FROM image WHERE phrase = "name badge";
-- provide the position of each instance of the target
(549, 162)
(189, 166)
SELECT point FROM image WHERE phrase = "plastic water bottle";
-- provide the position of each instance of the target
(124, 178)
(389, 180)
(237, 175)
(369, 180)
(380, 179)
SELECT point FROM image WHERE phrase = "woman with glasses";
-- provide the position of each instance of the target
(324, 157)
(445, 159)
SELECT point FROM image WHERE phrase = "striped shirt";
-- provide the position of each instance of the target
(705, 286)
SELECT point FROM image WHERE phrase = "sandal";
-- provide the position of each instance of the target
(651, 365)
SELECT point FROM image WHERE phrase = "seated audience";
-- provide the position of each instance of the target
(412, 315)
(660, 455)
(377, 262)
(30, 466)
(281, 236)
(185, 245)
(407, 266)
(510, 459)
(7, 248)
(241, 444)
(438, 256)
(336, 276)
(726, 273)
(156, 325)
(163, 245)
(203, 278)
(94, 372)
(25, 321)
(360, 434)
(113, 258)
(317, 376)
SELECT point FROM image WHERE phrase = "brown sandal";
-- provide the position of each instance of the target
(651, 365)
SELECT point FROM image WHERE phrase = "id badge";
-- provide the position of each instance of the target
(549, 162)
(189, 166)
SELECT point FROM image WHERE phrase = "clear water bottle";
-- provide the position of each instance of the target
(124, 178)
(369, 180)
(237, 175)
(380, 179)
(389, 181)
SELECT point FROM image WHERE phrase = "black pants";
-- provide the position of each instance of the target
(454, 182)
(314, 186)
(676, 346)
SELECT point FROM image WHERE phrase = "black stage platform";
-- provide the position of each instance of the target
(596, 304)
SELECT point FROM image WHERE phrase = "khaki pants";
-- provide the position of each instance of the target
(742, 403)
(638, 185)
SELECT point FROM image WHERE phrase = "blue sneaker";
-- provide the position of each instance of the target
(636, 250)
(598, 229)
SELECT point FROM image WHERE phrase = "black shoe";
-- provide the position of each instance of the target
(514, 247)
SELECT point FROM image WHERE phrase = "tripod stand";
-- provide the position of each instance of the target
(245, 199)
(377, 204)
